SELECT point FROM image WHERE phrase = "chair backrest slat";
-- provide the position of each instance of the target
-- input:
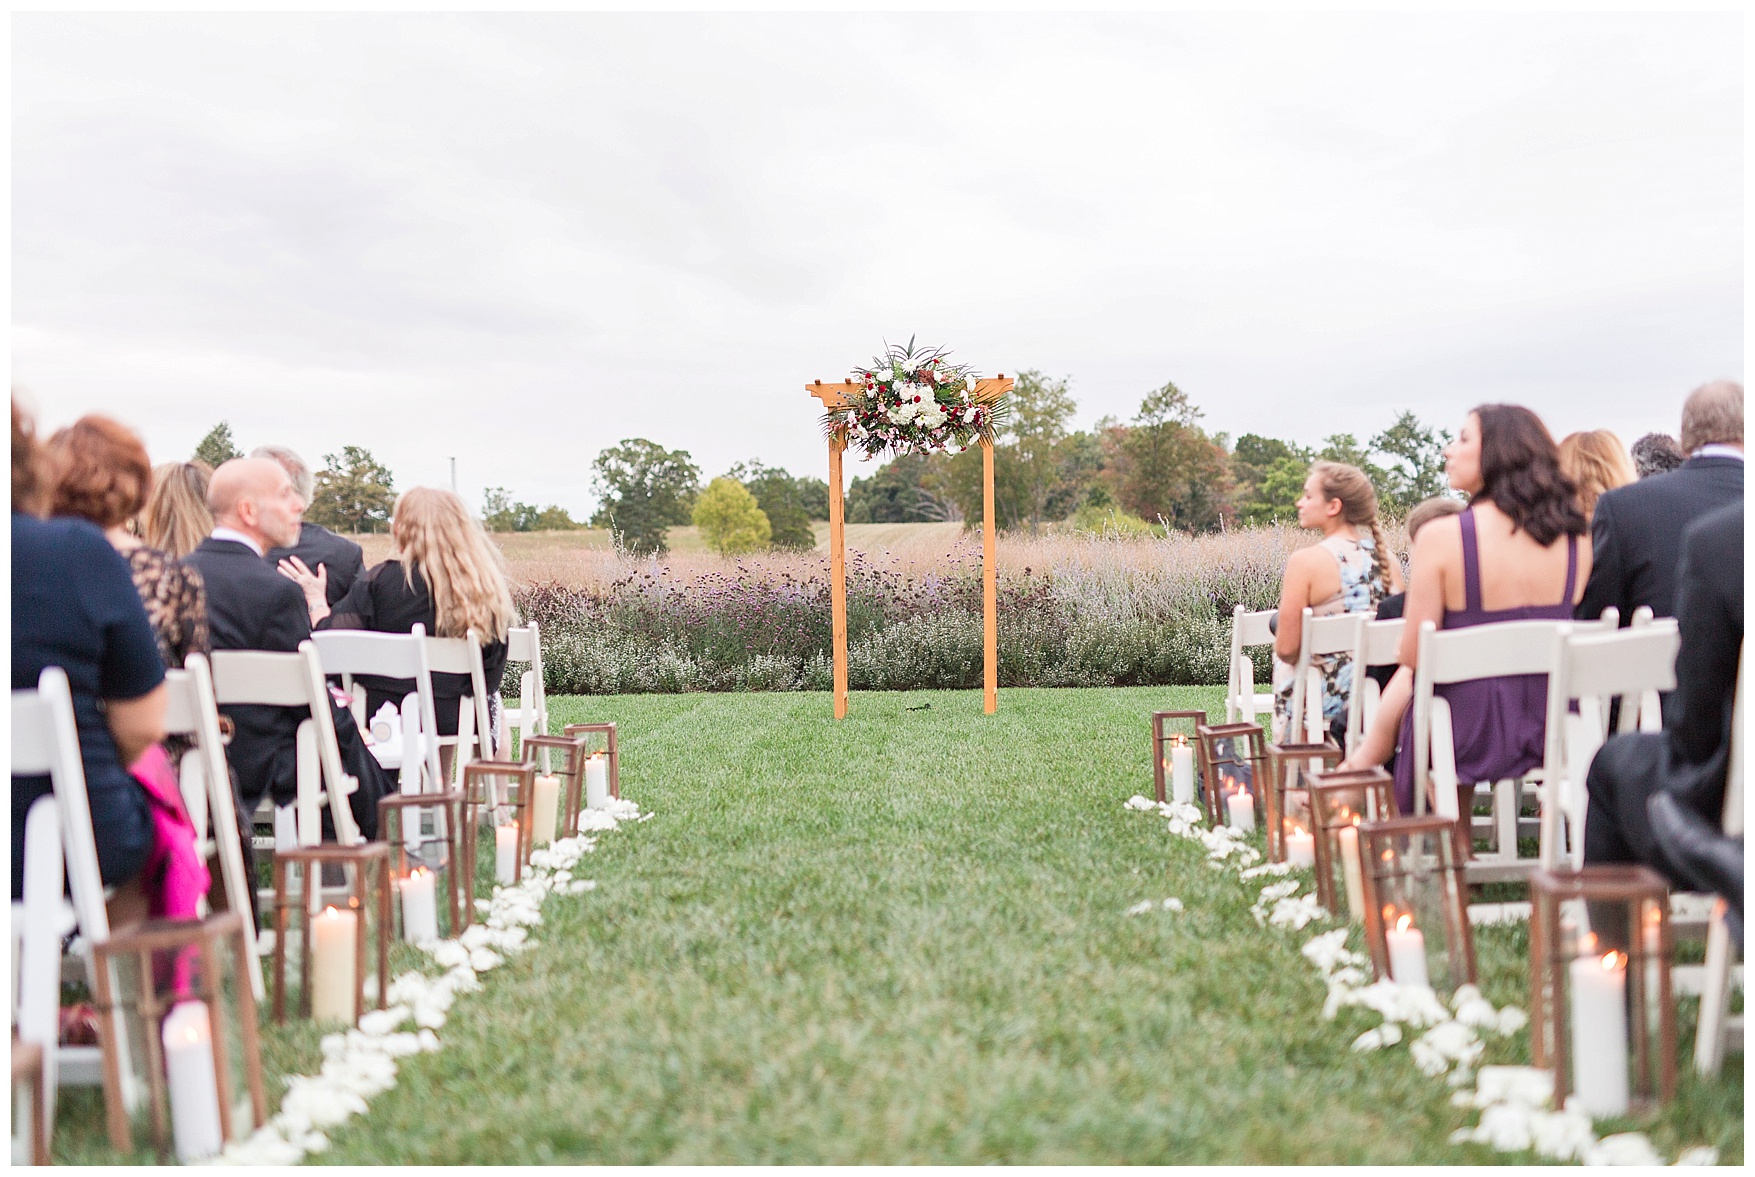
(1488, 651)
(520, 644)
(1380, 642)
(1336, 634)
(354, 651)
(1252, 628)
(260, 677)
(1624, 662)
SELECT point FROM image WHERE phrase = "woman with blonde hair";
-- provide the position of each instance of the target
(1348, 571)
(1596, 461)
(445, 574)
(175, 519)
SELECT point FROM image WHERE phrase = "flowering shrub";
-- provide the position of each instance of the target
(1072, 612)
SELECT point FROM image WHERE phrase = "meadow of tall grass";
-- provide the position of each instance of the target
(1074, 610)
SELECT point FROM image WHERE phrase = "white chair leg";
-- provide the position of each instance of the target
(1443, 770)
(1313, 725)
(1715, 996)
(310, 783)
(1505, 805)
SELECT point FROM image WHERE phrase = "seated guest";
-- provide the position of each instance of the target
(1595, 462)
(74, 606)
(337, 560)
(251, 607)
(176, 519)
(1636, 533)
(1687, 760)
(447, 575)
(1656, 453)
(1390, 608)
(1347, 571)
(101, 474)
(1516, 554)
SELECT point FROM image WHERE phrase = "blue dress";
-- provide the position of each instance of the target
(74, 606)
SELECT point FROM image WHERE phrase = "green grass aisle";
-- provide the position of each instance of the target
(901, 939)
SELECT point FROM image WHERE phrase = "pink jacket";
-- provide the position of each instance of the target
(175, 877)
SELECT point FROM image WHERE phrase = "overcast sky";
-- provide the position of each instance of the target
(518, 239)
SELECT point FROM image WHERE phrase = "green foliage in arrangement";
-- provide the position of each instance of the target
(217, 447)
(778, 495)
(500, 513)
(729, 518)
(643, 489)
(354, 492)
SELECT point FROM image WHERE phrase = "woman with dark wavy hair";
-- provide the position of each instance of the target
(1520, 552)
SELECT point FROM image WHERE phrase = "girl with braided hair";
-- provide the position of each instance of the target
(1348, 571)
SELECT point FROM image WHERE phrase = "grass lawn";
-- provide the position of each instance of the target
(901, 939)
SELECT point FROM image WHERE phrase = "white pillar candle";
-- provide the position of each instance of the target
(1240, 810)
(505, 853)
(1599, 1032)
(1300, 847)
(334, 965)
(1407, 953)
(597, 782)
(420, 906)
(1348, 839)
(545, 800)
(1182, 773)
(189, 1074)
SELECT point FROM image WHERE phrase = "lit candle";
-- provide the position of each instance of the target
(1407, 951)
(1300, 847)
(420, 906)
(1240, 811)
(1599, 1032)
(334, 965)
(545, 800)
(597, 781)
(1182, 772)
(188, 1039)
(505, 852)
(1348, 838)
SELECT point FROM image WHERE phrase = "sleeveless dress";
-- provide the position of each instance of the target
(1498, 724)
(1361, 589)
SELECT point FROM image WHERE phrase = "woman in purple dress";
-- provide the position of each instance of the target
(1520, 552)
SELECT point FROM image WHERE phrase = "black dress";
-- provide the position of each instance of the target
(384, 601)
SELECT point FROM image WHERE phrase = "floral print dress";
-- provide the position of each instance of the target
(1361, 589)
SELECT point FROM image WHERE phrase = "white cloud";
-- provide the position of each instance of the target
(521, 238)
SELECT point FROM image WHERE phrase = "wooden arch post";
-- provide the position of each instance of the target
(836, 396)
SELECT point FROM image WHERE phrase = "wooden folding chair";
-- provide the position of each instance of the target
(1242, 701)
(524, 644)
(1317, 636)
(1379, 645)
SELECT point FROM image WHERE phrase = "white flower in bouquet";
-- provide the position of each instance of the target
(931, 414)
(909, 365)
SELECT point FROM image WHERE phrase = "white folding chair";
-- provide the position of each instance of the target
(475, 735)
(349, 652)
(1596, 668)
(524, 644)
(39, 921)
(1717, 1026)
(45, 742)
(1242, 701)
(1379, 645)
(261, 677)
(1317, 636)
(206, 786)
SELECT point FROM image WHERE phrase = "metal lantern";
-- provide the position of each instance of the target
(1601, 1013)
(1339, 803)
(611, 761)
(1417, 901)
(1232, 765)
(332, 937)
(1173, 756)
(573, 751)
(423, 865)
(183, 1016)
(1286, 815)
(497, 794)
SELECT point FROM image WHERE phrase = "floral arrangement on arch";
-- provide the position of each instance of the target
(914, 398)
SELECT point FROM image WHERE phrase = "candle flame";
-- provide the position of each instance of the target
(330, 913)
(1613, 960)
(1181, 740)
(1404, 923)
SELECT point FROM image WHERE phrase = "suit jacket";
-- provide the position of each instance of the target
(318, 545)
(250, 606)
(1636, 535)
(1697, 714)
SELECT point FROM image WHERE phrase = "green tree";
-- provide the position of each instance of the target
(777, 494)
(354, 492)
(555, 519)
(730, 519)
(500, 513)
(1041, 409)
(217, 448)
(1415, 470)
(909, 488)
(813, 495)
(1344, 447)
(1174, 471)
(1275, 498)
(643, 489)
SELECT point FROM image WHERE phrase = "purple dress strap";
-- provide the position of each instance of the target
(1571, 570)
(1471, 553)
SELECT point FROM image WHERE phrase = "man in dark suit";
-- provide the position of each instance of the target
(1688, 758)
(1636, 533)
(320, 550)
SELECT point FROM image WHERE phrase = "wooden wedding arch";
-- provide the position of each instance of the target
(836, 396)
